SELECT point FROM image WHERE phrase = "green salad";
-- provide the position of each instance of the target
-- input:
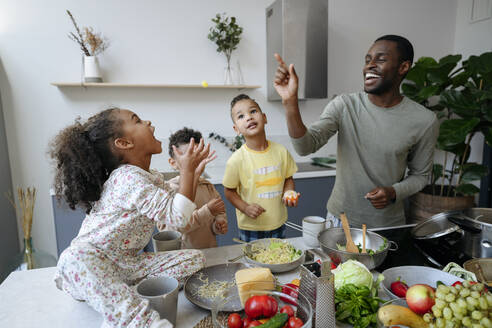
(368, 250)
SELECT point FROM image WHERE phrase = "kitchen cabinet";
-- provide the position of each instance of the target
(314, 195)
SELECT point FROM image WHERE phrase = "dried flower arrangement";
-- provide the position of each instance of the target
(90, 42)
(26, 201)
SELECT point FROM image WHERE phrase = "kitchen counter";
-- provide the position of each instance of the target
(305, 170)
(31, 299)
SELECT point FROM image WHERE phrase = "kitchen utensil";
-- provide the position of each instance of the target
(477, 226)
(162, 293)
(317, 285)
(436, 226)
(364, 238)
(311, 227)
(415, 275)
(482, 268)
(330, 237)
(166, 241)
(220, 308)
(275, 268)
(234, 259)
(221, 272)
(349, 245)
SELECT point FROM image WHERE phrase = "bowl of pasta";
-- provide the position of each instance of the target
(276, 254)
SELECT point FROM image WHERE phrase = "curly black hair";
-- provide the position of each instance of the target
(84, 158)
(181, 137)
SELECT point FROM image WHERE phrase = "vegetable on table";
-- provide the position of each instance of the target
(234, 321)
(399, 287)
(287, 309)
(356, 305)
(260, 306)
(294, 322)
(353, 272)
(277, 321)
(292, 291)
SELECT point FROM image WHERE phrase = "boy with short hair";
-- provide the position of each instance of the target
(209, 218)
(258, 177)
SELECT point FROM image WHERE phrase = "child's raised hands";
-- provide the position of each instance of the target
(191, 159)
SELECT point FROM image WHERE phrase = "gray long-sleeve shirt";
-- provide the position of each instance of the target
(375, 147)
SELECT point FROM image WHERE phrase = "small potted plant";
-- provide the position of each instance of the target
(91, 44)
(226, 34)
(461, 96)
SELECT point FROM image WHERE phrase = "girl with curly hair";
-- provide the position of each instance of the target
(103, 165)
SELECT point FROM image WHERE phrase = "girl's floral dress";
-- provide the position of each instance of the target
(104, 260)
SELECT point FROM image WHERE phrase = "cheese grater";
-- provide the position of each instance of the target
(317, 284)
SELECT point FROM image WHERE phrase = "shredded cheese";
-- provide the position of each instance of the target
(212, 289)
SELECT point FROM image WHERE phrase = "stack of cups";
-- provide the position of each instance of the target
(311, 227)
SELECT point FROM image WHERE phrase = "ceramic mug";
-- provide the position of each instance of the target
(162, 293)
(166, 241)
(311, 227)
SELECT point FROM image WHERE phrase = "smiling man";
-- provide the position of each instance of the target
(381, 134)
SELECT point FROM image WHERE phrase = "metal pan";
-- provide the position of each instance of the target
(220, 272)
(275, 268)
(329, 238)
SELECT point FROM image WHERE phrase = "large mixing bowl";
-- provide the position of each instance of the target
(329, 238)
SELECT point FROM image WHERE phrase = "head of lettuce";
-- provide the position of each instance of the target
(354, 272)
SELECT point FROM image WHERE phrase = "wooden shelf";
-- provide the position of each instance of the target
(128, 85)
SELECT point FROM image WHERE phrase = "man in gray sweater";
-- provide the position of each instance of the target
(381, 133)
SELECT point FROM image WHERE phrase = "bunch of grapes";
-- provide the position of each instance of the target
(466, 305)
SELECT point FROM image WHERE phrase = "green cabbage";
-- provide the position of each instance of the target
(352, 272)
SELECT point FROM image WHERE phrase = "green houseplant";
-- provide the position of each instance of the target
(460, 92)
(226, 34)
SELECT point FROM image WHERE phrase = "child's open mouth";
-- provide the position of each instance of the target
(251, 125)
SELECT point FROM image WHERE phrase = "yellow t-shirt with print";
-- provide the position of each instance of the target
(258, 177)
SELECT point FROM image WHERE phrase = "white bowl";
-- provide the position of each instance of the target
(415, 275)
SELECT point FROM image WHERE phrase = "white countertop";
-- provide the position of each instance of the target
(31, 299)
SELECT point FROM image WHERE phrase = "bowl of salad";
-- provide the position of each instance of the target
(276, 254)
(269, 308)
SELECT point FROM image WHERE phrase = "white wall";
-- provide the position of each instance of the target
(165, 42)
(472, 38)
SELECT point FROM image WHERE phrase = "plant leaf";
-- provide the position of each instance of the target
(467, 189)
(454, 131)
(473, 172)
(460, 103)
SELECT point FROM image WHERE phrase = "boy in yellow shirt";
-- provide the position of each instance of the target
(258, 177)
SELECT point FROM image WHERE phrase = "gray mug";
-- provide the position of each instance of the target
(162, 293)
(166, 241)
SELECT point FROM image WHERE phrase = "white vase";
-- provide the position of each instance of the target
(91, 70)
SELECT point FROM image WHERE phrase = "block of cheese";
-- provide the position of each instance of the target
(253, 279)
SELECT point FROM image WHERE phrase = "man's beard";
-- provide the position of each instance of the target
(385, 86)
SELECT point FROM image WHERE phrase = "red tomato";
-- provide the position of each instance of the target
(292, 291)
(260, 306)
(254, 324)
(246, 322)
(287, 309)
(295, 322)
(234, 321)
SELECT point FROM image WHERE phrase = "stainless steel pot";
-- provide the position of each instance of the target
(477, 226)
(329, 238)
